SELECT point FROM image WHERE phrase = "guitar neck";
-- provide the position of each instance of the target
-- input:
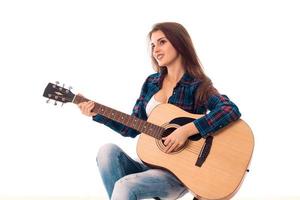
(125, 119)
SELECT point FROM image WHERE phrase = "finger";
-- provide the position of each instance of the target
(89, 108)
(170, 142)
(178, 147)
(172, 147)
(90, 105)
(85, 108)
(81, 106)
(93, 114)
(167, 141)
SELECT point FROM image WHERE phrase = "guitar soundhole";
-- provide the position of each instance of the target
(169, 128)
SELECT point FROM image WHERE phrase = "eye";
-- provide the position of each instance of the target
(161, 42)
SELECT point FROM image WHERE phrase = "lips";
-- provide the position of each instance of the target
(159, 56)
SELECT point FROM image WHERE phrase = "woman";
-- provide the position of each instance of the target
(180, 80)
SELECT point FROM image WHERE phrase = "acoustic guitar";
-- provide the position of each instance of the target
(212, 168)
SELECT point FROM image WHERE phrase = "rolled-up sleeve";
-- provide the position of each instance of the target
(222, 111)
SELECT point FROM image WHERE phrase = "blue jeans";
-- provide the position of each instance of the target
(127, 179)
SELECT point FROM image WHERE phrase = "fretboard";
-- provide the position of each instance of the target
(125, 119)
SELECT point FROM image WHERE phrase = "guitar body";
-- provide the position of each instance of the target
(222, 172)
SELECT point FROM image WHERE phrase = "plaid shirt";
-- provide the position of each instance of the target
(222, 110)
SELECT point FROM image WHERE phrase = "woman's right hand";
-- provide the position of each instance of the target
(87, 107)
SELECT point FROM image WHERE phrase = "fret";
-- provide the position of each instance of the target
(105, 112)
(96, 109)
(139, 125)
(101, 108)
(127, 119)
(151, 129)
(126, 122)
(159, 132)
(154, 133)
(117, 116)
(112, 114)
(122, 118)
(135, 123)
(144, 127)
(108, 114)
(130, 121)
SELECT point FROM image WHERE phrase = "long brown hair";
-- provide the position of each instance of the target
(182, 42)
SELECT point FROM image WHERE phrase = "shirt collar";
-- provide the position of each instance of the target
(186, 79)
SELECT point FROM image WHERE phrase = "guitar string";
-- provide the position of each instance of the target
(193, 150)
(190, 149)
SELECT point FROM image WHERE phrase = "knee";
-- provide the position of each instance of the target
(106, 153)
(125, 189)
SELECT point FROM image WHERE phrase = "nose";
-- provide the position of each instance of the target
(156, 49)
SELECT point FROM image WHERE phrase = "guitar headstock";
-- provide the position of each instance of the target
(58, 93)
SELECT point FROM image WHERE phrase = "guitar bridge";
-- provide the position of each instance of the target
(204, 151)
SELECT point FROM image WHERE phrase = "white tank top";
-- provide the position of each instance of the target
(151, 104)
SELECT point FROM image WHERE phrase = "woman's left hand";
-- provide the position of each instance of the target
(175, 140)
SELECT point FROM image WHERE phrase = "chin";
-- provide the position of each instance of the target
(162, 64)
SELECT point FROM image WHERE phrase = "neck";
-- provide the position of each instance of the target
(175, 71)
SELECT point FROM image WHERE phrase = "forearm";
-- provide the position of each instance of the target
(189, 129)
(222, 112)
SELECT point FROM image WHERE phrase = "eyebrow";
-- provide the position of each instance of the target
(158, 40)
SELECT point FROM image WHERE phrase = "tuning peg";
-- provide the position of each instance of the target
(48, 100)
(56, 82)
(70, 88)
(61, 88)
(62, 104)
(55, 103)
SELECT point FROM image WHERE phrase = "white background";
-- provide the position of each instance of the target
(250, 49)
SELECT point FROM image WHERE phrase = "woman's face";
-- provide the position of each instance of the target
(162, 49)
